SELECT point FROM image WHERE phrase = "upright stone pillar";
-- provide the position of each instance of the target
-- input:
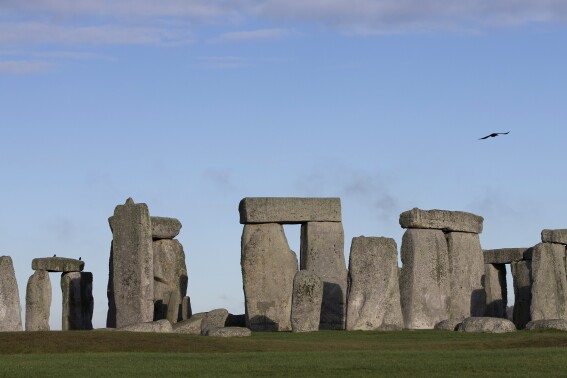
(170, 279)
(322, 253)
(268, 269)
(132, 264)
(306, 302)
(38, 301)
(424, 280)
(466, 267)
(76, 294)
(373, 292)
(549, 289)
(496, 291)
(522, 275)
(10, 310)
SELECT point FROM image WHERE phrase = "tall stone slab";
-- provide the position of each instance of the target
(496, 290)
(466, 269)
(10, 310)
(268, 268)
(322, 253)
(78, 303)
(522, 276)
(424, 279)
(549, 288)
(289, 210)
(132, 259)
(306, 302)
(373, 290)
(38, 301)
(111, 314)
(170, 279)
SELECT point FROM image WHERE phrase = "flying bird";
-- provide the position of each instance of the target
(494, 135)
(79, 259)
(54, 255)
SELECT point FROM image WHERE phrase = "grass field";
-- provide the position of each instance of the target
(325, 353)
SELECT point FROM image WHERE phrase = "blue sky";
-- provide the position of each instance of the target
(189, 106)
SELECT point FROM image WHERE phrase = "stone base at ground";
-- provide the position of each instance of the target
(190, 326)
(558, 324)
(229, 332)
(487, 325)
(306, 302)
(38, 301)
(159, 326)
(448, 324)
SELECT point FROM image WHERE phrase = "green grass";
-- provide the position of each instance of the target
(325, 353)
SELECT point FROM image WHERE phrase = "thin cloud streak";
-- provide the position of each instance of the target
(261, 34)
(24, 67)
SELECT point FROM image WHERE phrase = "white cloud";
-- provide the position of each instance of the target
(24, 67)
(224, 62)
(260, 34)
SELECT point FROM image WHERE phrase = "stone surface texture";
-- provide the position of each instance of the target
(448, 324)
(170, 279)
(496, 290)
(442, 220)
(306, 302)
(549, 287)
(322, 253)
(58, 264)
(554, 236)
(132, 260)
(214, 319)
(268, 268)
(10, 309)
(229, 332)
(78, 302)
(373, 290)
(159, 326)
(487, 325)
(424, 279)
(522, 277)
(38, 301)
(289, 210)
(466, 270)
(190, 326)
(558, 324)
(165, 228)
(506, 255)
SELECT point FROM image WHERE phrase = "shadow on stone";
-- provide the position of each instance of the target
(332, 307)
(262, 323)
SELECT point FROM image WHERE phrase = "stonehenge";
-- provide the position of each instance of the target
(10, 310)
(306, 302)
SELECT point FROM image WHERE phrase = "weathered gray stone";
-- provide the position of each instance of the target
(448, 324)
(496, 290)
(424, 280)
(132, 269)
(558, 324)
(58, 264)
(159, 326)
(322, 253)
(186, 310)
(442, 220)
(165, 228)
(506, 255)
(554, 236)
(549, 287)
(214, 319)
(290, 210)
(374, 291)
(229, 332)
(487, 325)
(78, 302)
(10, 310)
(38, 301)
(170, 279)
(306, 302)
(466, 270)
(190, 326)
(111, 314)
(522, 276)
(268, 269)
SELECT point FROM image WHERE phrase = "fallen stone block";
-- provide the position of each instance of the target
(322, 253)
(458, 221)
(522, 276)
(289, 210)
(190, 326)
(536, 325)
(448, 324)
(306, 302)
(58, 264)
(554, 236)
(213, 319)
(496, 290)
(229, 332)
(38, 301)
(549, 287)
(374, 292)
(506, 255)
(159, 326)
(165, 228)
(10, 310)
(487, 325)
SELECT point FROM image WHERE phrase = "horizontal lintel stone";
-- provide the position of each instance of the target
(165, 228)
(506, 255)
(442, 220)
(289, 210)
(554, 236)
(58, 264)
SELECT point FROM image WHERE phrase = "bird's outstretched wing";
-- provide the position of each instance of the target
(494, 135)
(488, 136)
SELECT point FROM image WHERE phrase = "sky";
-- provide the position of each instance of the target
(190, 106)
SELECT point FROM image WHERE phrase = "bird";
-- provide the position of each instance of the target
(54, 255)
(79, 259)
(494, 135)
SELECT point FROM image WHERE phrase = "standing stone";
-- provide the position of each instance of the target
(76, 293)
(10, 310)
(186, 311)
(424, 281)
(374, 291)
(268, 269)
(133, 277)
(322, 253)
(111, 314)
(522, 275)
(466, 266)
(306, 302)
(170, 279)
(549, 288)
(38, 301)
(496, 291)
